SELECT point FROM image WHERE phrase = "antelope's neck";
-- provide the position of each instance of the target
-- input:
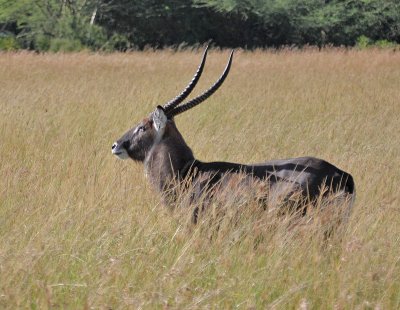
(165, 161)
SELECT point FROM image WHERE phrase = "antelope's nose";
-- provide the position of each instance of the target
(114, 146)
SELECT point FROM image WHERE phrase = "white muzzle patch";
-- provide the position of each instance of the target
(119, 151)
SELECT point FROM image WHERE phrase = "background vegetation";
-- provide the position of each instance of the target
(81, 229)
(65, 25)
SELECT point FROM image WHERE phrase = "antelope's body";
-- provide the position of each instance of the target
(168, 160)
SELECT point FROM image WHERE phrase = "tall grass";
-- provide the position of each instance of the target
(80, 229)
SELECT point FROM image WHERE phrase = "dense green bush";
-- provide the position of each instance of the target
(8, 43)
(125, 24)
(52, 24)
(364, 42)
(65, 45)
(385, 44)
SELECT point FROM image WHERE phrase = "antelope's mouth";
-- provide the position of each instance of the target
(119, 151)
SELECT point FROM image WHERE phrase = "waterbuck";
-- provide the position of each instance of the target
(167, 159)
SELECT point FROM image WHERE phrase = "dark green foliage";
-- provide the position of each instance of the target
(70, 25)
(37, 23)
(346, 21)
(318, 22)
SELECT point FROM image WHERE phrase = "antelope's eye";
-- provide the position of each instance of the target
(141, 129)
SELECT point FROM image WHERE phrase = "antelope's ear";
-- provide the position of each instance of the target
(159, 119)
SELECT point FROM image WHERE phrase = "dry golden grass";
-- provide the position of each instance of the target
(81, 229)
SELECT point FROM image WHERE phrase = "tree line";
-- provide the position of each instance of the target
(70, 25)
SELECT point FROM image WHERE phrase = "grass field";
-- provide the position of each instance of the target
(80, 229)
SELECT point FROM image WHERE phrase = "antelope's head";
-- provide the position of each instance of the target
(138, 141)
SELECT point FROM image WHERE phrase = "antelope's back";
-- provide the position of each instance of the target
(309, 172)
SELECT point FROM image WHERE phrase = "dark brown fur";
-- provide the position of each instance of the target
(168, 160)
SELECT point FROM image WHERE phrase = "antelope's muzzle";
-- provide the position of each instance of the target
(119, 150)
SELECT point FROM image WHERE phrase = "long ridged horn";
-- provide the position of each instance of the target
(170, 105)
(192, 103)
